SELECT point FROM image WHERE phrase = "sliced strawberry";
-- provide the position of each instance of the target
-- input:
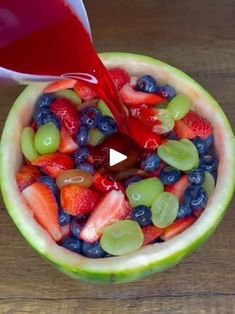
(178, 189)
(105, 183)
(54, 164)
(134, 98)
(65, 231)
(183, 131)
(42, 202)
(27, 175)
(60, 85)
(84, 91)
(119, 77)
(67, 144)
(66, 112)
(151, 233)
(76, 200)
(110, 209)
(177, 227)
(143, 136)
(197, 213)
(150, 116)
(198, 125)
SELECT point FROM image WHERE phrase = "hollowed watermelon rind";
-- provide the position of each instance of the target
(150, 259)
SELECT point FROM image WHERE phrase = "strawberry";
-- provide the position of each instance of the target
(177, 227)
(60, 85)
(143, 135)
(27, 175)
(179, 187)
(135, 98)
(198, 125)
(84, 91)
(183, 131)
(151, 233)
(197, 213)
(66, 112)
(77, 200)
(105, 183)
(67, 144)
(150, 116)
(54, 164)
(42, 202)
(119, 77)
(112, 207)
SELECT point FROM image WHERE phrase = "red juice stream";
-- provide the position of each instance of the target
(46, 38)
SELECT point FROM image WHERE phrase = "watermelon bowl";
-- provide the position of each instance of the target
(149, 259)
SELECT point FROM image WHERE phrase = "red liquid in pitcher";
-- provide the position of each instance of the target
(45, 37)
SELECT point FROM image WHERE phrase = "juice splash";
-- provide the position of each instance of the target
(46, 38)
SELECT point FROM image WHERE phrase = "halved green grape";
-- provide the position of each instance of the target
(179, 106)
(104, 109)
(47, 139)
(69, 94)
(167, 123)
(164, 210)
(209, 183)
(27, 143)
(122, 237)
(95, 137)
(144, 192)
(181, 154)
(74, 176)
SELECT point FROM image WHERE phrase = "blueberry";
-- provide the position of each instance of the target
(170, 176)
(81, 155)
(86, 166)
(51, 118)
(167, 91)
(184, 210)
(203, 145)
(93, 250)
(107, 125)
(142, 215)
(72, 244)
(82, 136)
(44, 101)
(90, 117)
(40, 115)
(147, 84)
(150, 162)
(197, 176)
(208, 163)
(77, 224)
(197, 196)
(172, 136)
(132, 179)
(64, 218)
(50, 182)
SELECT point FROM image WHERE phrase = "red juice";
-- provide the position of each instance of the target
(46, 38)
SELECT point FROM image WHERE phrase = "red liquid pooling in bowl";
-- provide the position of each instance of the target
(46, 38)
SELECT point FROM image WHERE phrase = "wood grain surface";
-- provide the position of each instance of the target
(198, 37)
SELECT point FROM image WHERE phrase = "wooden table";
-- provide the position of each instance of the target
(198, 37)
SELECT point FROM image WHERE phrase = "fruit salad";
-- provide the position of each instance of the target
(98, 210)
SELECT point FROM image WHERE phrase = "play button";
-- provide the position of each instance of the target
(115, 157)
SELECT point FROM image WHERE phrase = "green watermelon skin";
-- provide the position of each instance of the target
(151, 259)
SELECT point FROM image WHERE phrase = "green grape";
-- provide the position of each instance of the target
(179, 106)
(144, 192)
(47, 139)
(104, 109)
(70, 95)
(122, 237)
(181, 154)
(95, 137)
(27, 143)
(164, 210)
(209, 184)
(167, 123)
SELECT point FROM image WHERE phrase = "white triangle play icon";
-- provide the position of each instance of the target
(115, 157)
